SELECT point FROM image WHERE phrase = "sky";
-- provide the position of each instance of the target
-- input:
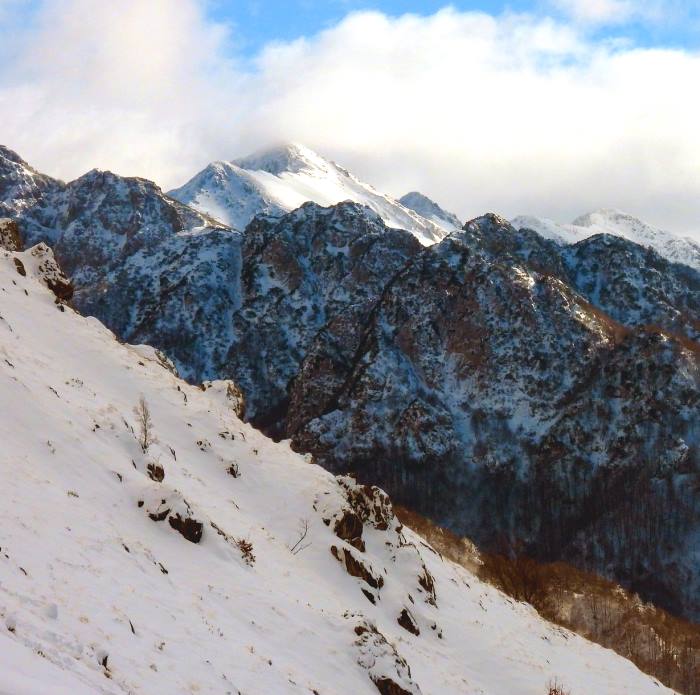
(544, 107)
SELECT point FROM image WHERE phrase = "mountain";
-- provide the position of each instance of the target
(675, 248)
(155, 543)
(431, 211)
(421, 370)
(137, 258)
(511, 387)
(21, 186)
(281, 179)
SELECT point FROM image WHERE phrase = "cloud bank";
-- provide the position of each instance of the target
(512, 113)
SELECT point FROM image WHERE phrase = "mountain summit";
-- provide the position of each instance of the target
(281, 179)
(431, 210)
(676, 249)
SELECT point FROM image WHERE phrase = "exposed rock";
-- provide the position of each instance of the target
(356, 567)
(20, 267)
(9, 235)
(159, 516)
(230, 393)
(349, 528)
(156, 472)
(189, 528)
(389, 672)
(407, 622)
(50, 272)
(426, 581)
(369, 503)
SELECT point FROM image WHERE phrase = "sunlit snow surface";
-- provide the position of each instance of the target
(284, 178)
(95, 597)
(675, 248)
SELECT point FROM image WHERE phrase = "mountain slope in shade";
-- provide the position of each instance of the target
(205, 558)
(282, 179)
(675, 248)
(431, 211)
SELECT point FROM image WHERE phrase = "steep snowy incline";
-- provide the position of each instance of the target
(173, 559)
(282, 179)
(431, 211)
(675, 248)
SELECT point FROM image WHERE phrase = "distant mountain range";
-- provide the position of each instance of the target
(513, 387)
(674, 248)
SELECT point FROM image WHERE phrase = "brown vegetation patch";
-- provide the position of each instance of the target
(657, 642)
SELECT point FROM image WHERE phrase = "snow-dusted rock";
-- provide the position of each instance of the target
(10, 238)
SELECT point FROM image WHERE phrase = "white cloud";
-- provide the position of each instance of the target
(512, 113)
(598, 11)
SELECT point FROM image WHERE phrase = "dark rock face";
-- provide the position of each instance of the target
(386, 686)
(51, 273)
(188, 528)
(20, 267)
(300, 273)
(349, 528)
(356, 567)
(507, 386)
(407, 622)
(10, 239)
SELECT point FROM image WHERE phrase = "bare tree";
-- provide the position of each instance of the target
(303, 532)
(145, 424)
(556, 688)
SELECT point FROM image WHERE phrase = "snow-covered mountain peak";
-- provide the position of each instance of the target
(613, 221)
(289, 157)
(675, 248)
(431, 210)
(281, 179)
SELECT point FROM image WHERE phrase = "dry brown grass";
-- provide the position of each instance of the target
(659, 643)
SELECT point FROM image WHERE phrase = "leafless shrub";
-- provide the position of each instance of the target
(246, 548)
(554, 687)
(144, 424)
(303, 533)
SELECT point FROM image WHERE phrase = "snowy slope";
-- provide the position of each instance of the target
(102, 592)
(675, 248)
(282, 179)
(431, 211)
